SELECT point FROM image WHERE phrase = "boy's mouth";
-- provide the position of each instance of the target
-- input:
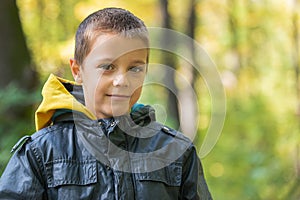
(118, 96)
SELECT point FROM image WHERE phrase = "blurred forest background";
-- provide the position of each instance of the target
(254, 44)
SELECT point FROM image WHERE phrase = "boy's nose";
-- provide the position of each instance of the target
(120, 80)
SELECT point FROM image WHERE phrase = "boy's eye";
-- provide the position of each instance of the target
(107, 67)
(136, 69)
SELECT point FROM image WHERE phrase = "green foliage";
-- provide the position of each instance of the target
(16, 117)
(251, 166)
(12, 96)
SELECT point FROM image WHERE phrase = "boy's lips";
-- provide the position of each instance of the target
(118, 96)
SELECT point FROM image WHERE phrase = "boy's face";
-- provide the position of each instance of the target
(112, 74)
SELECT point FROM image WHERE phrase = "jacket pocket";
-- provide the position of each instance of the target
(71, 172)
(169, 175)
(163, 183)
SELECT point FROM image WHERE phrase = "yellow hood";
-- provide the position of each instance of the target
(56, 96)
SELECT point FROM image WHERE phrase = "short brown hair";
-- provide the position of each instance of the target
(107, 20)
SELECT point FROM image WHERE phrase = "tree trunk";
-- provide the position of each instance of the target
(189, 111)
(293, 192)
(235, 37)
(169, 60)
(15, 62)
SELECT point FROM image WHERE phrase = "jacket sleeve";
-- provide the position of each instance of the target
(22, 179)
(193, 184)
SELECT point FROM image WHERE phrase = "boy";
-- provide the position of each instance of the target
(93, 141)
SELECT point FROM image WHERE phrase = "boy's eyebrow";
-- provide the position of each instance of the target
(111, 60)
(138, 62)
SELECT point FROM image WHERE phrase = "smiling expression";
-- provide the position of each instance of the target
(112, 74)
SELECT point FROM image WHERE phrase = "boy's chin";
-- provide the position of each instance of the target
(115, 112)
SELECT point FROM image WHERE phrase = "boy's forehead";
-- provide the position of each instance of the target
(116, 45)
(110, 47)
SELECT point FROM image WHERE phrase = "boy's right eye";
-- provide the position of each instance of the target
(106, 67)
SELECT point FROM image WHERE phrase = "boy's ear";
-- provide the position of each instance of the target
(75, 69)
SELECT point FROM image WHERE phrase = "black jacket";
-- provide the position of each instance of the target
(127, 157)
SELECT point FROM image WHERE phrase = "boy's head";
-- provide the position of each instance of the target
(111, 57)
(107, 21)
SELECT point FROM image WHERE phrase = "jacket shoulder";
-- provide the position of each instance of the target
(169, 132)
(46, 134)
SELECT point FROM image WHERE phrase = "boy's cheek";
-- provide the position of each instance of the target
(135, 96)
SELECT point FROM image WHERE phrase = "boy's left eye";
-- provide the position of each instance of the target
(136, 69)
